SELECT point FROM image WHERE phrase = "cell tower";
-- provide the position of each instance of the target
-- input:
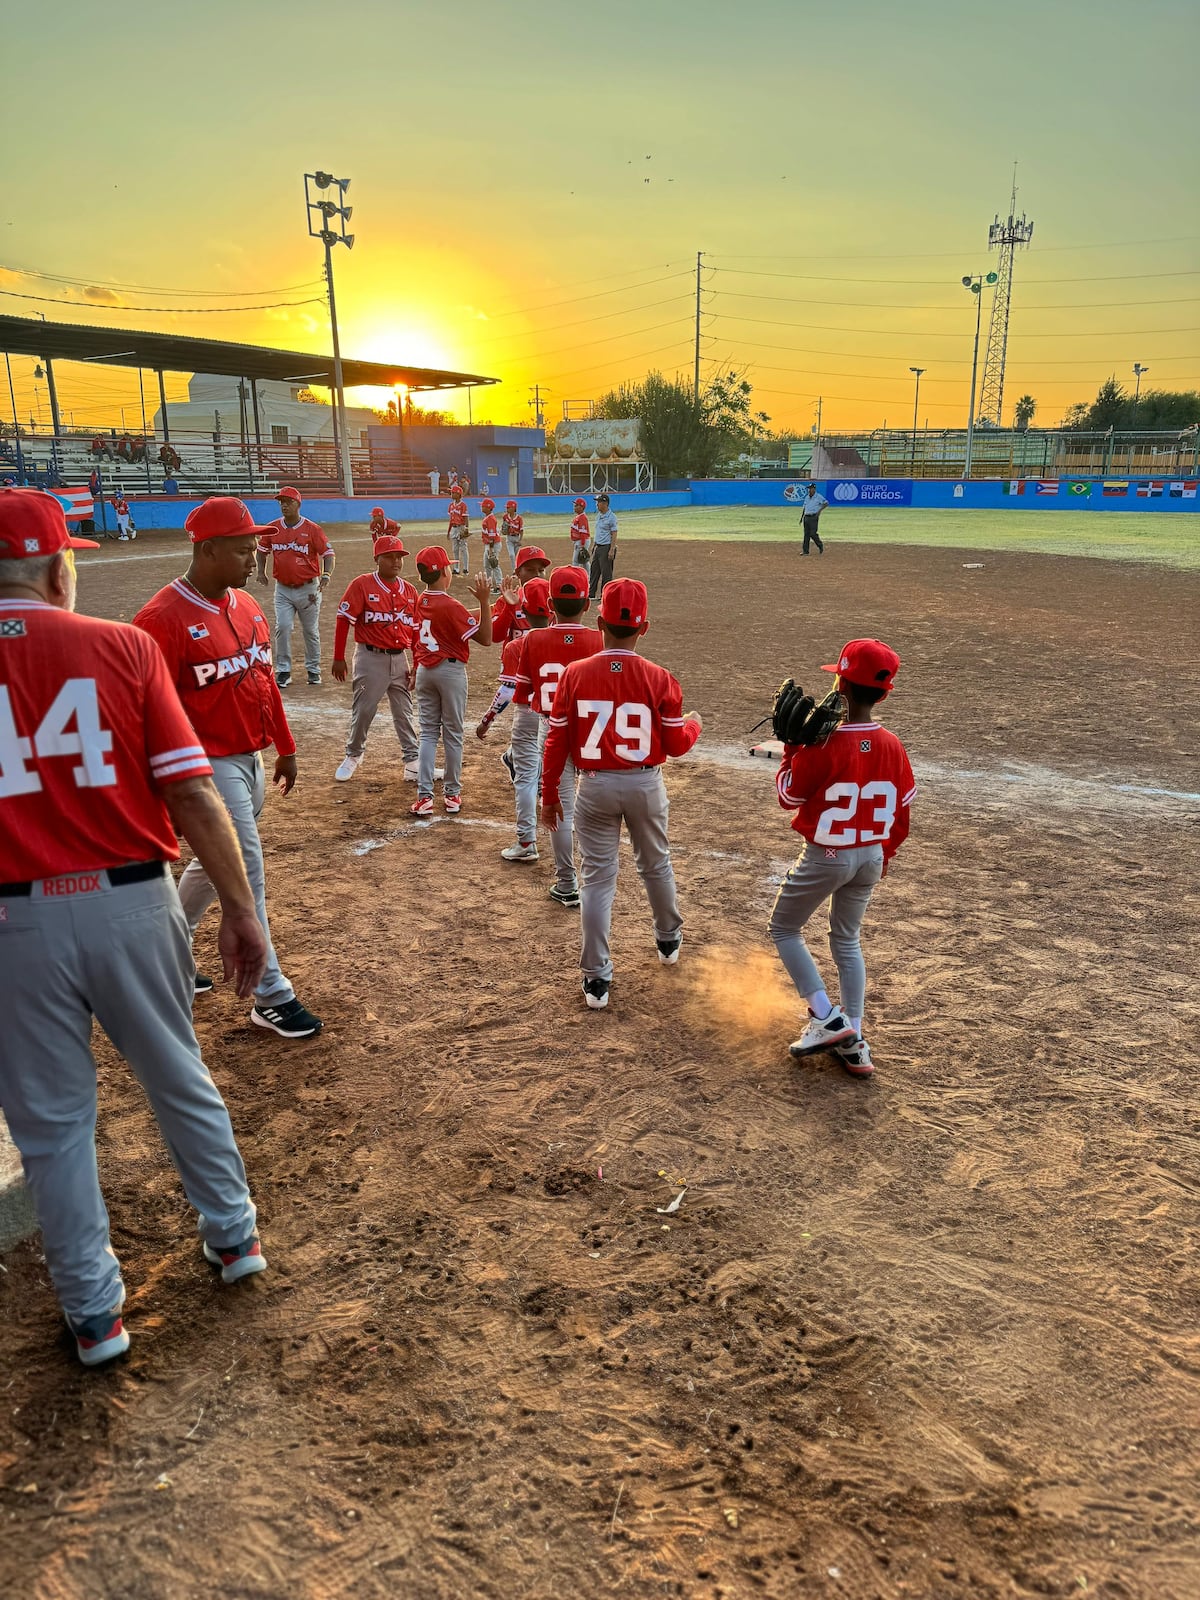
(1007, 236)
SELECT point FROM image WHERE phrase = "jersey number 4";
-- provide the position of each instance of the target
(883, 815)
(633, 726)
(75, 702)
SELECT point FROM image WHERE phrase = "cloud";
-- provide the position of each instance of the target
(103, 296)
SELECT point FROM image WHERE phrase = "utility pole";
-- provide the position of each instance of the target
(1138, 369)
(696, 373)
(539, 418)
(975, 282)
(817, 433)
(326, 211)
(916, 401)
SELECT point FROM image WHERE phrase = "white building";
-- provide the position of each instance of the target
(214, 404)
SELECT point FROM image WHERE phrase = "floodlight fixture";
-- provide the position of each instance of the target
(327, 222)
(975, 282)
(322, 179)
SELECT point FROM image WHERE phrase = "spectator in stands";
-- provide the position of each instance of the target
(170, 486)
(101, 448)
(138, 452)
(452, 475)
(435, 481)
(95, 486)
(464, 483)
(168, 458)
(125, 447)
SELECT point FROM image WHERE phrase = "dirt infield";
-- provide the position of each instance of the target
(932, 1335)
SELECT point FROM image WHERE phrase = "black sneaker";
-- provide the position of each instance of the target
(595, 992)
(314, 677)
(202, 984)
(668, 950)
(283, 679)
(565, 897)
(289, 1019)
(510, 766)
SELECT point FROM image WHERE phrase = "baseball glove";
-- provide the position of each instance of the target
(796, 717)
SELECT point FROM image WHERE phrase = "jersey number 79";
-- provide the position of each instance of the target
(633, 726)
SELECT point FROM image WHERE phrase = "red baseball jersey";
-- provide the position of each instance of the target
(444, 629)
(614, 711)
(460, 517)
(581, 528)
(546, 655)
(91, 731)
(508, 620)
(855, 789)
(513, 525)
(218, 654)
(382, 526)
(120, 505)
(491, 533)
(382, 614)
(510, 669)
(296, 552)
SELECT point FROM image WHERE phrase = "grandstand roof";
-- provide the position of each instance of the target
(169, 352)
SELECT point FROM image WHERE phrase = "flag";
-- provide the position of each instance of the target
(1047, 486)
(198, 631)
(1079, 487)
(1116, 488)
(1184, 491)
(76, 503)
(1150, 491)
(1015, 486)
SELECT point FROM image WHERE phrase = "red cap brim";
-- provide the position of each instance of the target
(82, 544)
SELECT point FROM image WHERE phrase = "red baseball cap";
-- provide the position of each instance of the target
(487, 503)
(33, 523)
(868, 662)
(433, 557)
(456, 489)
(568, 583)
(531, 553)
(221, 517)
(378, 511)
(535, 598)
(288, 493)
(390, 545)
(625, 603)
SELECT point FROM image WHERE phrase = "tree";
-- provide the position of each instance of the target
(1164, 410)
(682, 436)
(1023, 412)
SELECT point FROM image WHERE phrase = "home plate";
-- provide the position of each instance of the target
(769, 750)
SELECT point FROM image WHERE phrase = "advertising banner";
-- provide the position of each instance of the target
(869, 491)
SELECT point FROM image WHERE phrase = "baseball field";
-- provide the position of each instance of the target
(932, 1335)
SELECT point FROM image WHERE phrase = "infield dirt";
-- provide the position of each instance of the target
(931, 1335)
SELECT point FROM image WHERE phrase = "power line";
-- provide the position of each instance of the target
(887, 305)
(814, 277)
(151, 288)
(627, 311)
(645, 355)
(933, 255)
(599, 295)
(928, 333)
(944, 361)
(168, 311)
(632, 333)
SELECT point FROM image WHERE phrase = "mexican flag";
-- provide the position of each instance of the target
(1015, 486)
(1079, 488)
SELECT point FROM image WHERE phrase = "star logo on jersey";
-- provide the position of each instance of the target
(198, 631)
(12, 628)
(865, 746)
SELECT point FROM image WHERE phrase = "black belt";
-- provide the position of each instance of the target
(378, 650)
(118, 877)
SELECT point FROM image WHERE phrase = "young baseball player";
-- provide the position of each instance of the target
(617, 717)
(490, 533)
(381, 607)
(851, 796)
(524, 754)
(441, 650)
(458, 530)
(121, 511)
(382, 525)
(508, 615)
(513, 527)
(302, 564)
(581, 535)
(544, 658)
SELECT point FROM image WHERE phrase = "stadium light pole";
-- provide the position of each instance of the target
(1138, 369)
(975, 282)
(322, 213)
(12, 395)
(916, 401)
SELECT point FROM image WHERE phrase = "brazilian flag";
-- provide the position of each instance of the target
(1083, 489)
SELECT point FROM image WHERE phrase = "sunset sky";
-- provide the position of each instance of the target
(531, 183)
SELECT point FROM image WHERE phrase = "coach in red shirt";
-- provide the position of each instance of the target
(302, 563)
(99, 768)
(218, 650)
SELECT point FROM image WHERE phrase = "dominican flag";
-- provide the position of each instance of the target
(76, 503)
(1015, 486)
(1116, 489)
(1184, 491)
(1080, 487)
(1047, 486)
(1150, 491)
(198, 631)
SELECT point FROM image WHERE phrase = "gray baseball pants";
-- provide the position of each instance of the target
(563, 837)
(581, 554)
(460, 551)
(303, 602)
(526, 747)
(441, 712)
(846, 878)
(491, 565)
(123, 956)
(512, 546)
(602, 568)
(242, 784)
(375, 674)
(604, 800)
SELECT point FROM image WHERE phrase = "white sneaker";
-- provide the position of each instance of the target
(521, 852)
(411, 771)
(826, 1035)
(348, 768)
(855, 1058)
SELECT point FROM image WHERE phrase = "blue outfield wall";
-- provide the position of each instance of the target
(842, 493)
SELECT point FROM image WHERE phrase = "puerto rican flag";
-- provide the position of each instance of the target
(1150, 491)
(1047, 486)
(76, 503)
(1184, 491)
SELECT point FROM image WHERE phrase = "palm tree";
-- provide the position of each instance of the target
(1023, 414)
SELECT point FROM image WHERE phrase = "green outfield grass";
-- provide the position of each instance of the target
(1166, 540)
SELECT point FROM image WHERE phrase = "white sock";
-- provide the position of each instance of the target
(856, 1024)
(820, 1005)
